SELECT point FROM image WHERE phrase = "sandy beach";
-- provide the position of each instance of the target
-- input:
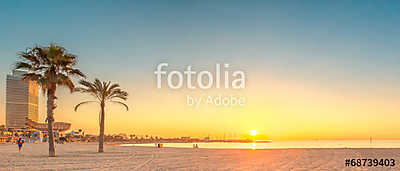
(84, 157)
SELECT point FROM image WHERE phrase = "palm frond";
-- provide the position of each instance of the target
(122, 97)
(69, 59)
(65, 81)
(74, 72)
(104, 91)
(32, 76)
(123, 104)
(86, 84)
(114, 86)
(82, 103)
(23, 65)
(98, 85)
(118, 93)
(90, 88)
(29, 56)
(50, 65)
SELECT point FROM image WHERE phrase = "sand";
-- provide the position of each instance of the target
(84, 157)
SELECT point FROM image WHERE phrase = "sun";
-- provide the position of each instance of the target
(253, 132)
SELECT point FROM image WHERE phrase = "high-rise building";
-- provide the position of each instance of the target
(22, 99)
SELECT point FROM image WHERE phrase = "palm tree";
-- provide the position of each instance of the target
(50, 67)
(104, 92)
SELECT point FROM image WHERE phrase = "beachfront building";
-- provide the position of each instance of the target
(22, 99)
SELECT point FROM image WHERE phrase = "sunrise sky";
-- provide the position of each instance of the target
(314, 70)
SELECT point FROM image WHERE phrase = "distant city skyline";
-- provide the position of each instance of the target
(314, 70)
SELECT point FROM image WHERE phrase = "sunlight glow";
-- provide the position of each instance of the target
(253, 132)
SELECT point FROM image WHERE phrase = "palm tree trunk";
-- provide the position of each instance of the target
(51, 96)
(101, 137)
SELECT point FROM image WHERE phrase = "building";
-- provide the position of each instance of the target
(22, 99)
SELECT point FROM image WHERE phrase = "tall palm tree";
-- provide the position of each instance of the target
(50, 67)
(104, 92)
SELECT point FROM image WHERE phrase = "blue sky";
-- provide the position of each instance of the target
(261, 32)
(340, 46)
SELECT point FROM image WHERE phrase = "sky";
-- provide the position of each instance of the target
(314, 69)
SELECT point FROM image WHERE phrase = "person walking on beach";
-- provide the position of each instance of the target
(20, 142)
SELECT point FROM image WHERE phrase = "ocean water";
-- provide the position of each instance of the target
(286, 144)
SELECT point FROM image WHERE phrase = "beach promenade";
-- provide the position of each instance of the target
(85, 157)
